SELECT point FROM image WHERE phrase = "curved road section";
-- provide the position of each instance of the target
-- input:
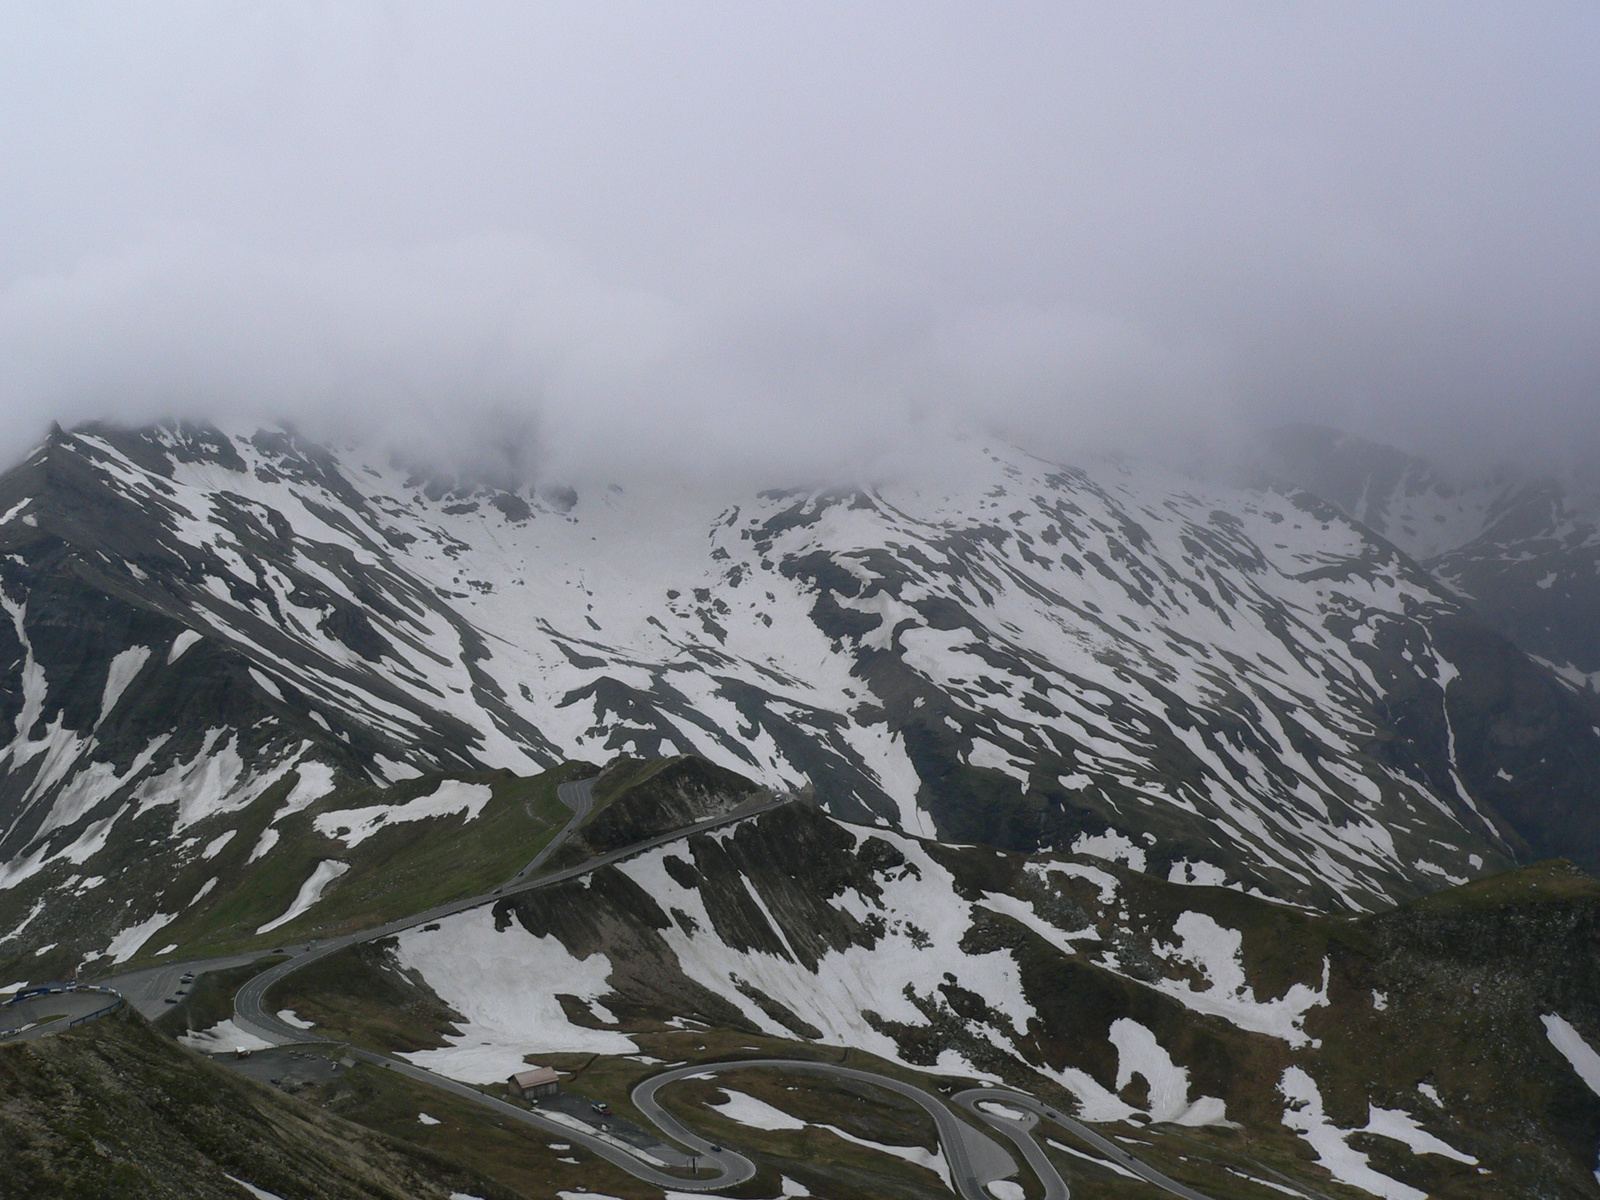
(35, 1014)
(1019, 1131)
(579, 797)
(250, 1013)
(960, 1144)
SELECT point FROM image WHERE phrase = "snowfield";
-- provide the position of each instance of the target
(505, 986)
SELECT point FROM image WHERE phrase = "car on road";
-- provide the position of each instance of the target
(602, 1108)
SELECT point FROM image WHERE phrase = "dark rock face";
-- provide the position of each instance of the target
(643, 798)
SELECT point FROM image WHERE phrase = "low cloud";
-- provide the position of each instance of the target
(793, 241)
(516, 352)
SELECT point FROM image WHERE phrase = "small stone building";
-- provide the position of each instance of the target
(533, 1083)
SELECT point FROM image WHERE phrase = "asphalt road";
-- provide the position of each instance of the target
(579, 797)
(150, 989)
(1020, 1133)
(961, 1144)
(23, 1020)
(1105, 1145)
(250, 1013)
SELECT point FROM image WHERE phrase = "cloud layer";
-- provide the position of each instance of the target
(788, 235)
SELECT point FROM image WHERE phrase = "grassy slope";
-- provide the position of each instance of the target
(113, 1110)
(400, 870)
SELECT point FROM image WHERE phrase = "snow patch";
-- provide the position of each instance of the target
(267, 684)
(757, 1114)
(1138, 1053)
(123, 668)
(37, 908)
(995, 1109)
(223, 1038)
(310, 892)
(126, 944)
(505, 985)
(353, 826)
(181, 643)
(1400, 1125)
(264, 843)
(315, 782)
(1111, 846)
(1574, 1049)
(389, 771)
(257, 1193)
(1218, 954)
(205, 890)
(1199, 874)
(1345, 1163)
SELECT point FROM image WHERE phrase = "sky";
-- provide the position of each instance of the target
(792, 236)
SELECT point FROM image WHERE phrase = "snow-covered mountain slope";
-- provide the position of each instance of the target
(1402, 496)
(1217, 684)
(1525, 551)
(1119, 996)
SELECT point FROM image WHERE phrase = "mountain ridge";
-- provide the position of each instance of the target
(1214, 684)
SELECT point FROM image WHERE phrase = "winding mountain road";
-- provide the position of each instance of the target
(974, 1159)
(1020, 1132)
(961, 1144)
(39, 1014)
(251, 1015)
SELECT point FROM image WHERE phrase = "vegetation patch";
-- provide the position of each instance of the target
(400, 869)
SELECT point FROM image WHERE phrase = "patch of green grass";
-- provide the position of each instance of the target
(210, 1000)
(358, 995)
(505, 1150)
(402, 869)
(1554, 879)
